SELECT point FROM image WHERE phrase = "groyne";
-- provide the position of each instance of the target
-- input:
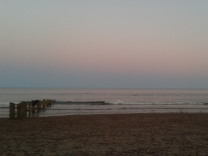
(28, 108)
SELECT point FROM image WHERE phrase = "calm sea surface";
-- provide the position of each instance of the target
(108, 101)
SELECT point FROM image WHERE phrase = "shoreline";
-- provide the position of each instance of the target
(106, 134)
(39, 115)
(65, 110)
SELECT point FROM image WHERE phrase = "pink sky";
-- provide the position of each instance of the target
(134, 41)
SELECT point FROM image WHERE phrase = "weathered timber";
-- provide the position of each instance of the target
(12, 111)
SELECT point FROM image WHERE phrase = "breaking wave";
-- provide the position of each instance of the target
(119, 102)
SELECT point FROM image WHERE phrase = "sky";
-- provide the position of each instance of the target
(104, 43)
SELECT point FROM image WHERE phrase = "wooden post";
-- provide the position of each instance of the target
(43, 104)
(29, 108)
(38, 107)
(33, 109)
(19, 111)
(49, 103)
(12, 111)
(24, 109)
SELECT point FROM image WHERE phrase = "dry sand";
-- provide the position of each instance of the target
(126, 134)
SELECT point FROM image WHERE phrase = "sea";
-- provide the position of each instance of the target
(108, 101)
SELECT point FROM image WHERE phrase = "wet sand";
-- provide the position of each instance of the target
(125, 134)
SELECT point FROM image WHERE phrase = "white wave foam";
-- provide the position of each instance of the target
(119, 102)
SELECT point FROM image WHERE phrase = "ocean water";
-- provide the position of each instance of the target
(108, 101)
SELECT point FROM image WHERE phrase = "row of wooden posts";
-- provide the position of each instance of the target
(24, 107)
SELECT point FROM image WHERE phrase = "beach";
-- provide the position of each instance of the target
(113, 134)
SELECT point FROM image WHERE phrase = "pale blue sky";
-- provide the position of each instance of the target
(104, 44)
